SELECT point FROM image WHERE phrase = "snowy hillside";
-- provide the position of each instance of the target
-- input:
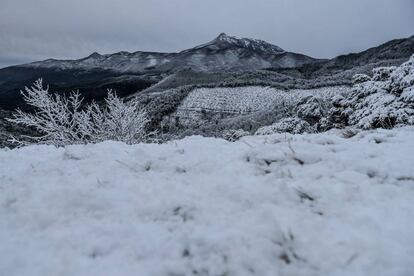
(319, 204)
(244, 100)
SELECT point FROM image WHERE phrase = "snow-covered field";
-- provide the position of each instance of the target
(317, 204)
(244, 100)
(248, 99)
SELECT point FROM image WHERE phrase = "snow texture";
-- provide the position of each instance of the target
(315, 204)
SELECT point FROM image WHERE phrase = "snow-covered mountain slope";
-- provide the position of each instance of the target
(303, 205)
(391, 53)
(225, 41)
(223, 53)
(203, 104)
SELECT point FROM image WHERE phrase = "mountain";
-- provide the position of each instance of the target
(393, 52)
(223, 53)
(237, 54)
(397, 49)
(226, 60)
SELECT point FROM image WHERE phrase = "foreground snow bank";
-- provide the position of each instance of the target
(317, 204)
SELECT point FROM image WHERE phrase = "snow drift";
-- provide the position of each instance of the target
(316, 204)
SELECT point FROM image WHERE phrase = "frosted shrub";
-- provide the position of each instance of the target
(402, 77)
(382, 73)
(312, 109)
(292, 125)
(407, 96)
(302, 114)
(233, 135)
(385, 101)
(64, 120)
(360, 78)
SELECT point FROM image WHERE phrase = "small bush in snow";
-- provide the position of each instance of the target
(312, 109)
(402, 78)
(63, 120)
(233, 135)
(360, 78)
(293, 125)
(382, 73)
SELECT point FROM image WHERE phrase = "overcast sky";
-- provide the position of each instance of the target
(38, 29)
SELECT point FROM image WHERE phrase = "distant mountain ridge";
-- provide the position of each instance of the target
(224, 61)
(223, 53)
(393, 52)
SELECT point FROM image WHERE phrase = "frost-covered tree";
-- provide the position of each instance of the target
(65, 120)
(117, 121)
(312, 109)
(385, 101)
(382, 73)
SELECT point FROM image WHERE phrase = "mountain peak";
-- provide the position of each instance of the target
(252, 44)
(226, 38)
(222, 35)
(94, 55)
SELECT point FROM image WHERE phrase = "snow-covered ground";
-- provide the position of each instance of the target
(244, 100)
(317, 204)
